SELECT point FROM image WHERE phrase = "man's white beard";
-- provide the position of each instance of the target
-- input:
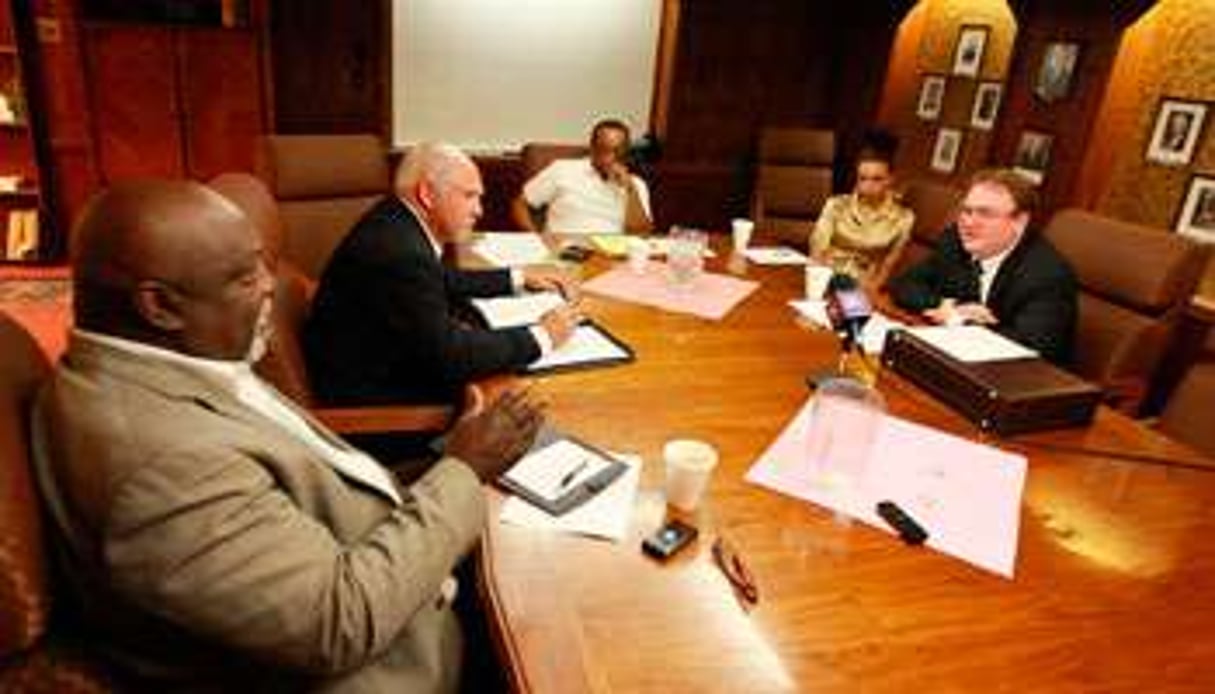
(262, 330)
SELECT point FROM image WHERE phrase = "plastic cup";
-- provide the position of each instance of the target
(741, 231)
(689, 465)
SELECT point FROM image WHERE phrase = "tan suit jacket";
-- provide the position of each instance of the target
(209, 549)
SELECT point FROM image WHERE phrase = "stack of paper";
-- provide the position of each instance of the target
(965, 494)
(514, 311)
(709, 295)
(511, 249)
(972, 343)
(775, 255)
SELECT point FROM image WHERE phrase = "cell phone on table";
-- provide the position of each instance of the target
(671, 537)
(574, 253)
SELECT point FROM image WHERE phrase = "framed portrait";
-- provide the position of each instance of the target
(1176, 132)
(1196, 216)
(968, 53)
(946, 149)
(932, 95)
(1033, 155)
(1056, 71)
(986, 106)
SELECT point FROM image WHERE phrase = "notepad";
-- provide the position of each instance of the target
(972, 343)
(511, 248)
(589, 346)
(514, 311)
(775, 255)
(562, 475)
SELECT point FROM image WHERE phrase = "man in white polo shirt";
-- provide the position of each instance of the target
(595, 194)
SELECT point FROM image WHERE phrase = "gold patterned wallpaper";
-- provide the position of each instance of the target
(1169, 52)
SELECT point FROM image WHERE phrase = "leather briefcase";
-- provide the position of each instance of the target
(1007, 397)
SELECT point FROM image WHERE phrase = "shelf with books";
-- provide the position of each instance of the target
(26, 225)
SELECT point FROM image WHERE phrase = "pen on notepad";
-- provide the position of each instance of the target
(571, 475)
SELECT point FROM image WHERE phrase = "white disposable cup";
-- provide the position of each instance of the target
(689, 464)
(741, 229)
(639, 254)
(817, 279)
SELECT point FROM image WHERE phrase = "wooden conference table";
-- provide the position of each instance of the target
(1115, 576)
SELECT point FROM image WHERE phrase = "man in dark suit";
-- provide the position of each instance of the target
(384, 324)
(991, 268)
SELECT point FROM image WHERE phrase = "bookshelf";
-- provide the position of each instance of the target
(24, 200)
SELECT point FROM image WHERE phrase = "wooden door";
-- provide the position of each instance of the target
(136, 112)
(221, 92)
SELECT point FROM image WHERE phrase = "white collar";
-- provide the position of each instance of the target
(231, 371)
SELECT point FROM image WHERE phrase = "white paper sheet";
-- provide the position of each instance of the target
(775, 255)
(972, 343)
(873, 335)
(965, 494)
(606, 515)
(511, 248)
(514, 311)
(587, 344)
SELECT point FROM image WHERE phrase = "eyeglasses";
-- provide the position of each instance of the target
(986, 213)
(736, 572)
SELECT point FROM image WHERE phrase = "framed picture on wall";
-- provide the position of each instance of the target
(1056, 71)
(1033, 155)
(932, 95)
(1196, 216)
(986, 106)
(946, 149)
(968, 53)
(1177, 129)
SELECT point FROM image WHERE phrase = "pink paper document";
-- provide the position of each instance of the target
(966, 495)
(709, 295)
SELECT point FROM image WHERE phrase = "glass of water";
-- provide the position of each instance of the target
(685, 255)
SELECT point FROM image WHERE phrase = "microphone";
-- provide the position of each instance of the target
(848, 308)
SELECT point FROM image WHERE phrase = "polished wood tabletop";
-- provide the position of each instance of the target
(1114, 588)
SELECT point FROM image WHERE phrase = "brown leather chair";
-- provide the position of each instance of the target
(537, 155)
(283, 365)
(935, 205)
(323, 184)
(793, 180)
(1135, 282)
(34, 657)
(1187, 416)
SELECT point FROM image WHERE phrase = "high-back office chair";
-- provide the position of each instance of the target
(935, 205)
(32, 659)
(323, 184)
(1135, 282)
(1187, 416)
(792, 182)
(283, 364)
(537, 155)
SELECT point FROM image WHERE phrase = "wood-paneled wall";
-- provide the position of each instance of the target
(331, 65)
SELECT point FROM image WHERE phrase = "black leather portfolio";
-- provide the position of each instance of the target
(1007, 397)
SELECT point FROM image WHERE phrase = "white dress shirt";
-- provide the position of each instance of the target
(579, 200)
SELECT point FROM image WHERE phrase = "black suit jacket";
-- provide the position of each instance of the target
(382, 326)
(1033, 294)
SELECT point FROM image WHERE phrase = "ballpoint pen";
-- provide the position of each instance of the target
(571, 475)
